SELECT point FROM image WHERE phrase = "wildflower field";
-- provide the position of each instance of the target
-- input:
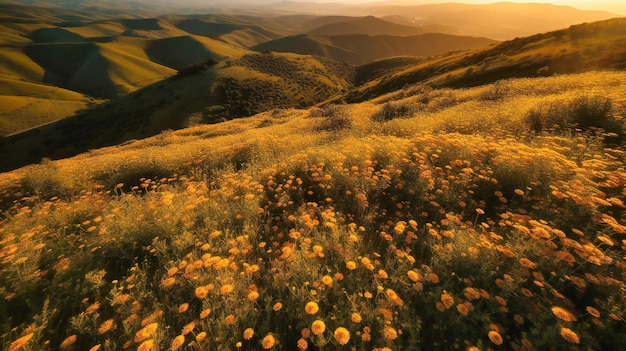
(486, 218)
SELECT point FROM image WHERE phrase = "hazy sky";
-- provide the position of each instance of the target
(608, 5)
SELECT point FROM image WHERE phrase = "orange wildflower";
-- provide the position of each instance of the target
(253, 295)
(527, 263)
(495, 337)
(248, 334)
(146, 345)
(302, 344)
(563, 314)
(311, 307)
(342, 335)
(268, 342)
(593, 311)
(201, 292)
(68, 341)
(390, 333)
(318, 327)
(178, 342)
(227, 289)
(570, 335)
(447, 300)
(106, 326)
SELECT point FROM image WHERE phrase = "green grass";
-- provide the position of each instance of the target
(457, 227)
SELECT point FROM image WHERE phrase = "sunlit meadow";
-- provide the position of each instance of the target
(478, 219)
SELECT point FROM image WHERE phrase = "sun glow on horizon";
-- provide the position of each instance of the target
(616, 6)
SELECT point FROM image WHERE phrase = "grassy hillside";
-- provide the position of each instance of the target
(90, 56)
(242, 31)
(369, 25)
(454, 218)
(200, 94)
(24, 105)
(362, 48)
(107, 49)
(598, 45)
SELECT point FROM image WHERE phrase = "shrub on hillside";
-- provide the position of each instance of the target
(585, 112)
(392, 110)
(335, 117)
(196, 68)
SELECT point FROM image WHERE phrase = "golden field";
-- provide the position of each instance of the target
(485, 218)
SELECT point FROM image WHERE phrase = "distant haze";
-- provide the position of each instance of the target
(616, 6)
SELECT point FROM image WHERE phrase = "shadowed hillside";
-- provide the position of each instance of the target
(244, 32)
(360, 48)
(201, 93)
(369, 25)
(100, 70)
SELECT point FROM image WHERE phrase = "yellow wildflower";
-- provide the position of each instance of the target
(311, 307)
(146, 345)
(342, 335)
(570, 335)
(248, 334)
(563, 314)
(106, 326)
(268, 342)
(318, 327)
(495, 337)
(178, 342)
(253, 295)
(68, 341)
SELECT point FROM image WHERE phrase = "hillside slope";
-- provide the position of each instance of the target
(455, 222)
(202, 94)
(361, 48)
(598, 45)
(369, 25)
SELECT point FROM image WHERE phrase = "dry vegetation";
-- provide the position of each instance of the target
(580, 48)
(206, 92)
(454, 221)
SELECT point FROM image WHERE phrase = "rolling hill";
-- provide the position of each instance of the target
(89, 56)
(204, 93)
(103, 54)
(103, 58)
(371, 25)
(265, 81)
(103, 50)
(361, 48)
(243, 31)
(593, 46)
